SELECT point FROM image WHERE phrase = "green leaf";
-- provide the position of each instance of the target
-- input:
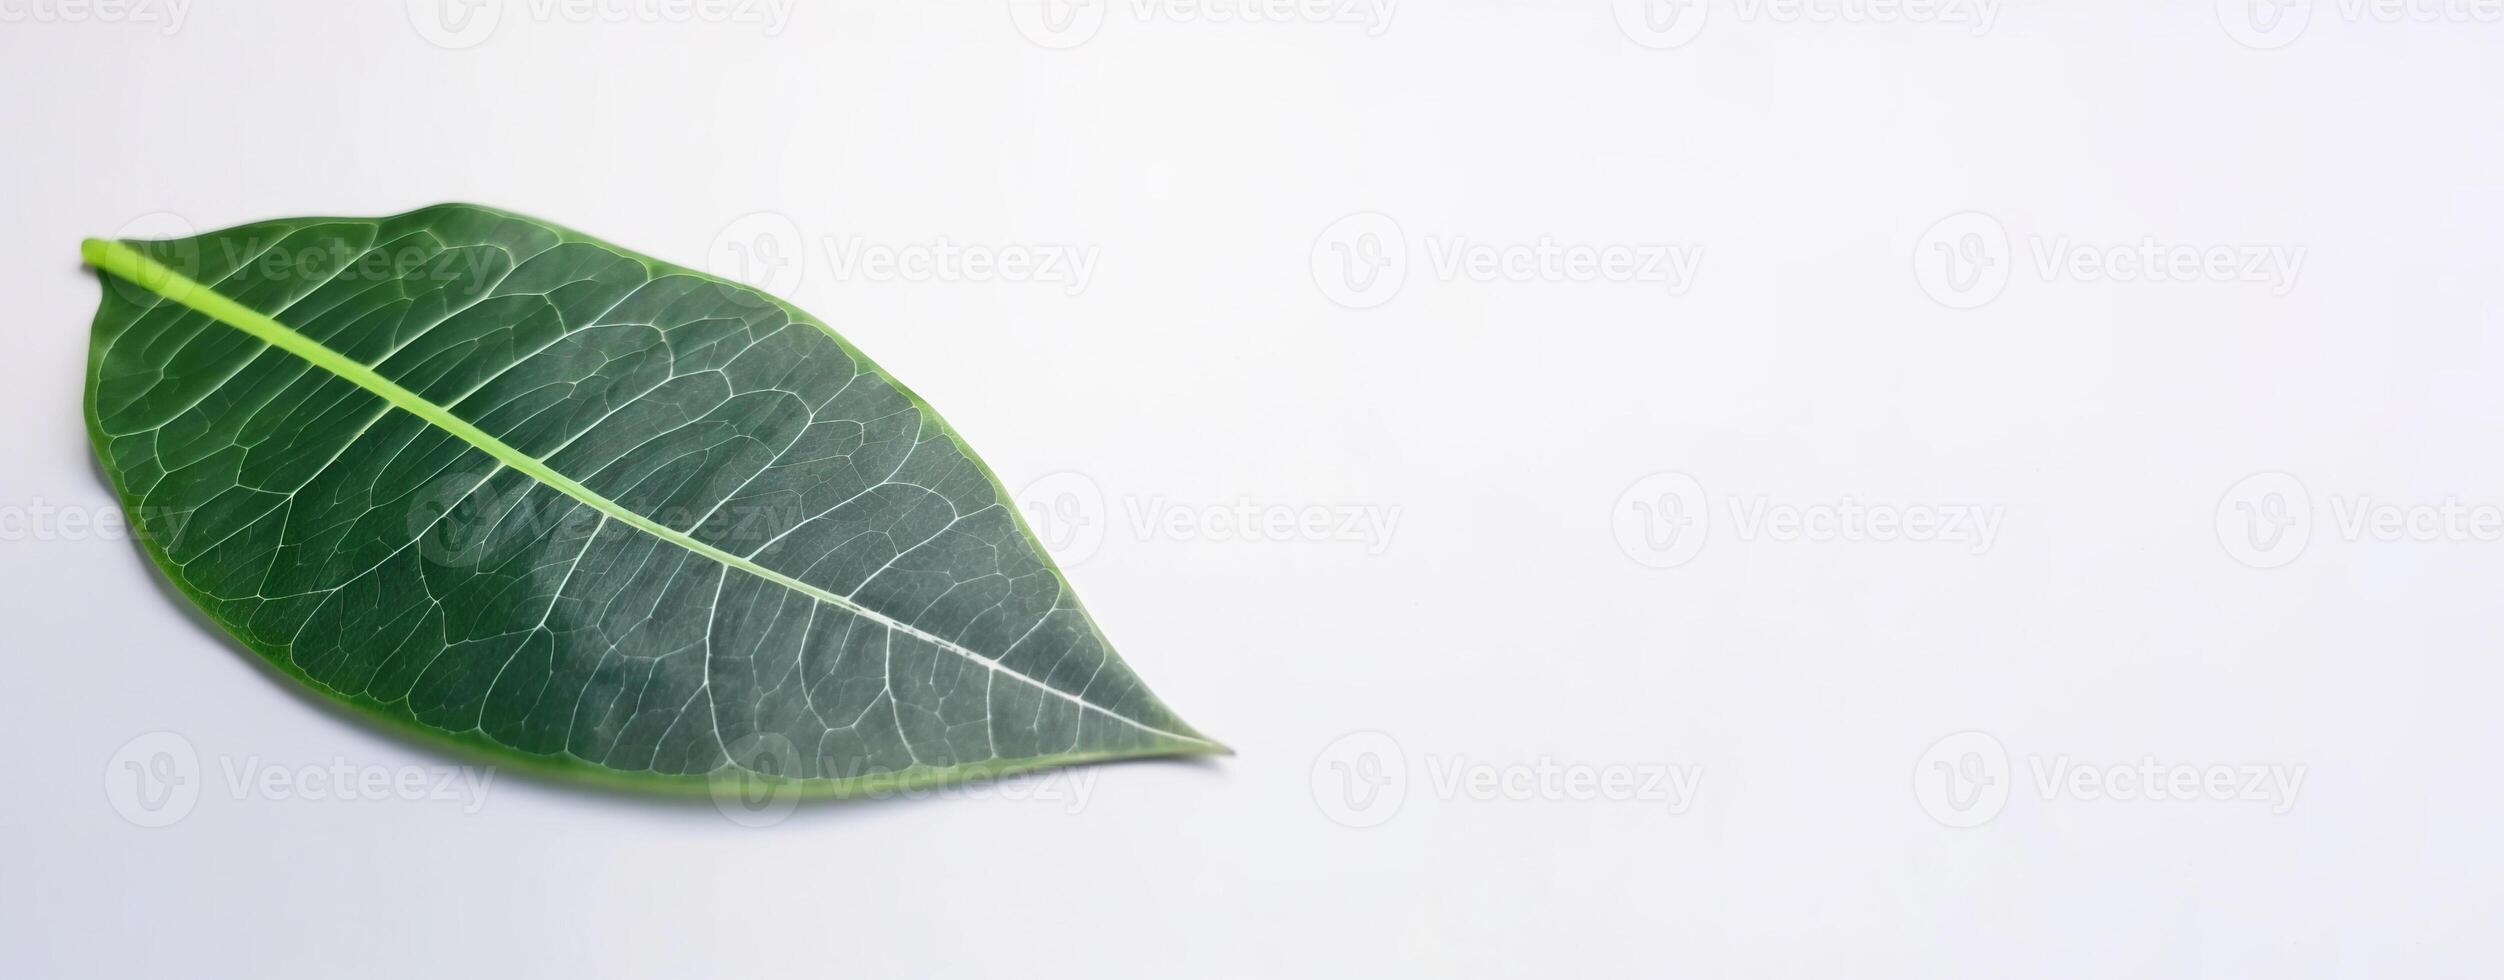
(586, 512)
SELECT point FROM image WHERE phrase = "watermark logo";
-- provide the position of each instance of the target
(762, 250)
(1661, 24)
(1069, 267)
(454, 518)
(758, 787)
(1962, 261)
(153, 780)
(767, 252)
(2264, 25)
(1757, 517)
(1364, 779)
(1361, 779)
(171, 240)
(41, 520)
(464, 519)
(1965, 261)
(156, 779)
(1066, 512)
(1361, 260)
(167, 16)
(1368, 527)
(1058, 24)
(174, 244)
(457, 24)
(1664, 24)
(1965, 780)
(1962, 780)
(2267, 25)
(766, 778)
(1064, 24)
(1662, 520)
(2265, 520)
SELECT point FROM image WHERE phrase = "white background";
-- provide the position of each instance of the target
(1512, 620)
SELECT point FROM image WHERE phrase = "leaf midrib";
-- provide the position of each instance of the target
(149, 274)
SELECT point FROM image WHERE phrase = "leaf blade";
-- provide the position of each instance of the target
(684, 320)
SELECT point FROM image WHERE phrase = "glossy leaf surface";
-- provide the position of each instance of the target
(579, 509)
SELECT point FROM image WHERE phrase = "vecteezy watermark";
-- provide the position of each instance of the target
(767, 778)
(1070, 267)
(40, 520)
(1756, 517)
(175, 244)
(1964, 261)
(456, 24)
(1067, 512)
(170, 239)
(1363, 779)
(1664, 519)
(1664, 24)
(1368, 526)
(767, 251)
(751, 800)
(2266, 520)
(156, 779)
(167, 16)
(2266, 25)
(1965, 780)
(1962, 780)
(464, 519)
(1362, 260)
(1064, 24)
